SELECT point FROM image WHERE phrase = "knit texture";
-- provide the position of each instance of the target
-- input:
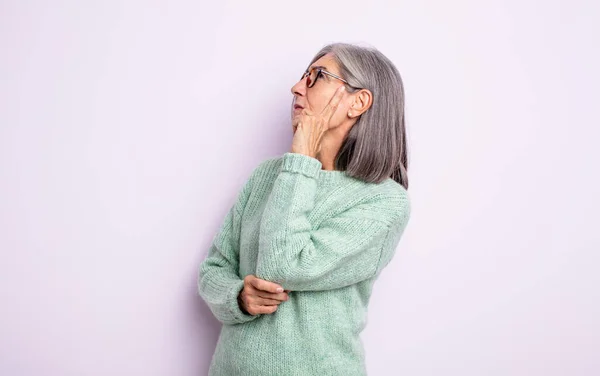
(321, 234)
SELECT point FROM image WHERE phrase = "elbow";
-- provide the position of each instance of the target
(284, 264)
(286, 275)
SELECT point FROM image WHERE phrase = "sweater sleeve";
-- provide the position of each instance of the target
(345, 249)
(219, 282)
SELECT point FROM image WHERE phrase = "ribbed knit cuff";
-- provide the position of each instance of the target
(300, 163)
(234, 307)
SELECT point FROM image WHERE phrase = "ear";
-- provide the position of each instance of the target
(363, 99)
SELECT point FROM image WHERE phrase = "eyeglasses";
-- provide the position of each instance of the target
(316, 72)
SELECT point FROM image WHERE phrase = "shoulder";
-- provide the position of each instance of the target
(387, 202)
(392, 190)
(400, 201)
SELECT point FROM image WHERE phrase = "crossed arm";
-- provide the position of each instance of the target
(345, 249)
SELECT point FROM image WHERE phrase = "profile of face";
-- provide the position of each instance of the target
(324, 86)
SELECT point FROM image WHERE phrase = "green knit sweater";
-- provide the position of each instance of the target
(321, 234)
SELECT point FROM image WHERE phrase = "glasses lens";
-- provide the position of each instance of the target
(311, 77)
(314, 75)
(307, 75)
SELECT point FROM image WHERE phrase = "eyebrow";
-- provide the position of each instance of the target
(318, 66)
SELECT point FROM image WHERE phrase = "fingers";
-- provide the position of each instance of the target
(281, 297)
(267, 289)
(333, 104)
(257, 300)
(298, 120)
(260, 296)
(263, 285)
(258, 310)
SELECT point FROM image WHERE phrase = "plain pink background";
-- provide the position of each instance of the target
(128, 127)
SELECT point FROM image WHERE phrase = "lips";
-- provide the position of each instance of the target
(297, 106)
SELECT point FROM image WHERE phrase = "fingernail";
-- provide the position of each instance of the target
(342, 88)
(279, 289)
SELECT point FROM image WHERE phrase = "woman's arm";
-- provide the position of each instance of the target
(219, 282)
(348, 248)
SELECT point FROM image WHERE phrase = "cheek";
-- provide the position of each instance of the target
(341, 114)
(317, 101)
(338, 118)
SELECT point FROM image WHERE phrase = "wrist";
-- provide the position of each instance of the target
(241, 304)
(301, 163)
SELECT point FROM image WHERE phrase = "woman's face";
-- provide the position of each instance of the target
(317, 97)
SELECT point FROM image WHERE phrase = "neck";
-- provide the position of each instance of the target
(330, 146)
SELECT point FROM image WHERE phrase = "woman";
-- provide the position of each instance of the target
(290, 272)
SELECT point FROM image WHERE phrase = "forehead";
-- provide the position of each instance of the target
(327, 62)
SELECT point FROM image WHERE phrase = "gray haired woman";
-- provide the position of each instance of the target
(291, 269)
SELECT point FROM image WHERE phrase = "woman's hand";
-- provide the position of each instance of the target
(310, 128)
(260, 296)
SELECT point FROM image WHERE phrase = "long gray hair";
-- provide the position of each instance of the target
(375, 148)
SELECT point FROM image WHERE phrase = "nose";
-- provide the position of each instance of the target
(299, 88)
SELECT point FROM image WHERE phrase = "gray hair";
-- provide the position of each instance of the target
(375, 147)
